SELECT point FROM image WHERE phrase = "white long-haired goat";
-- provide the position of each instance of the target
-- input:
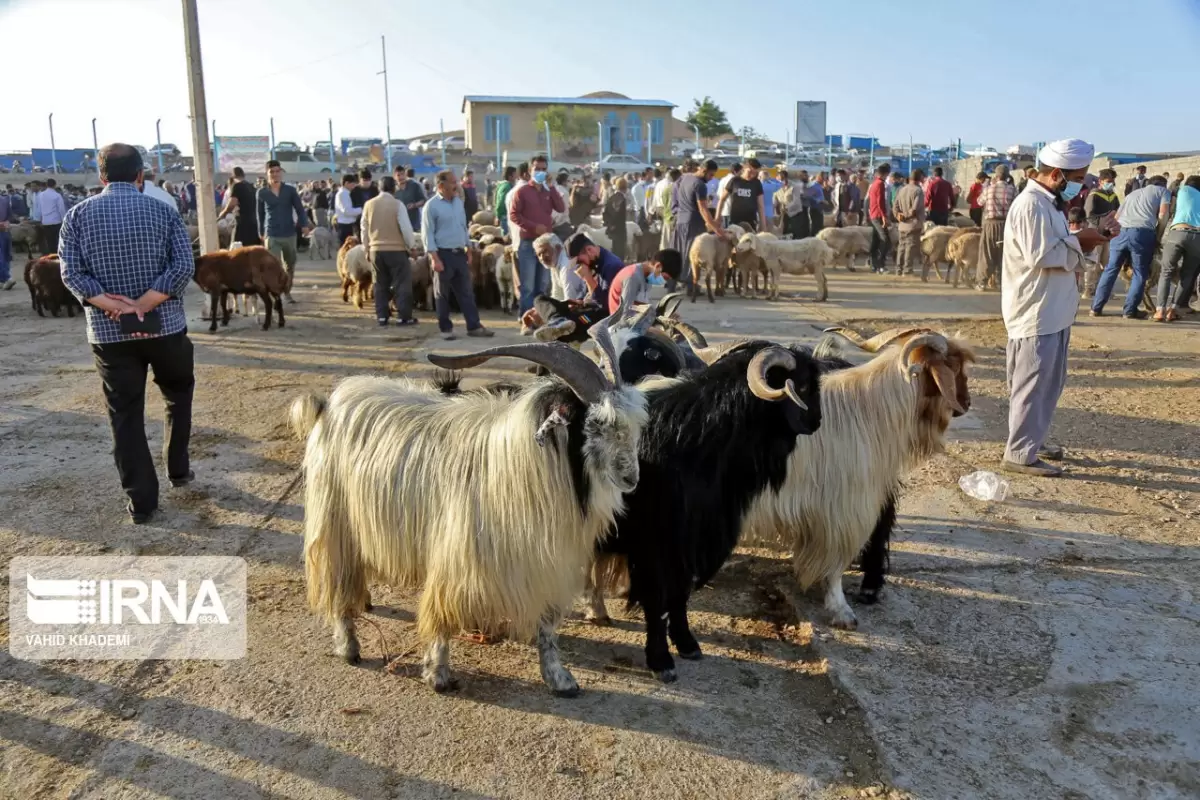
(879, 420)
(491, 502)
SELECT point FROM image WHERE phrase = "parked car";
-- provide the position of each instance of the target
(286, 147)
(399, 147)
(620, 163)
(294, 156)
(322, 149)
(984, 152)
(454, 144)
(141, 150)
(166, 148)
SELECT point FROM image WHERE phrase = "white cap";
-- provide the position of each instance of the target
(1067, 154)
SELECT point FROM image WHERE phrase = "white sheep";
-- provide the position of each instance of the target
(483, 218)
(498, 259)
(963, 254)
(846, 243)
(475, 231)
(596, 235)
(790, 257)
(709, 256)
(934, 241)
(320, 243)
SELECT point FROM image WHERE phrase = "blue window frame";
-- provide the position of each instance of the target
(633, 128)
(656, 131)
(490, 121)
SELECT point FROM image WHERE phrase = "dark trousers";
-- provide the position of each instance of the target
(1136, 244)
(122, 367)
(345, 231)
(816, 221)
(393, 278)
(50, 238)
(977, 216)
(796, 226)
(879, 245)
(455, 277)
(584, 317)
(939, 217)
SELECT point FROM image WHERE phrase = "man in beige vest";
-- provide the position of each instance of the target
(909, 210)
(387, 236)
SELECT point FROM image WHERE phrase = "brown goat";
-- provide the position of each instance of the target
(46, 289)
(247, 270)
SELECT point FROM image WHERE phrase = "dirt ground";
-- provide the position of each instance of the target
(1041, 647)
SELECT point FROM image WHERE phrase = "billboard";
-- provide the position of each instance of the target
(248, 152)
(810, 122)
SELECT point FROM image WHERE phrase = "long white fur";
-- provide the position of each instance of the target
(872, 432)
(453, 495)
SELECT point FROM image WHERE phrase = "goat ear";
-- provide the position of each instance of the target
(944, 379)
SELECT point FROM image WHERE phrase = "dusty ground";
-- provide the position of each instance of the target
(1041, 647)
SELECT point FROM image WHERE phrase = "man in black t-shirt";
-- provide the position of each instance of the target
(745, 193)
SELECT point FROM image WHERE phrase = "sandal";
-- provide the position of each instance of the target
(1171, 315)
(1158, 316)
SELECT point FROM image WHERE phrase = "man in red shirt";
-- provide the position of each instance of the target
(877, 210)
(531, 214)
(631, 280)
(939, 198)
(975, 198)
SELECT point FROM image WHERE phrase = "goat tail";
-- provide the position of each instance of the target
(305, 413)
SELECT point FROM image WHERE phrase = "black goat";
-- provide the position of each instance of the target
(715, 440)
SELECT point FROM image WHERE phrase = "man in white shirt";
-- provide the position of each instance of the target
(152, 189)
(1039, 299)
(560, 221)
(345, 213)
(51, 208)
(660, 205)
(522, 180)
(564, 283)
(723, 207)
(639, 198)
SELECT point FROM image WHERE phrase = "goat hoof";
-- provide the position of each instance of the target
(443, 685)
(571, 692)
(666, 675)
(604, 622)
(845, 623)
(351, 655)
(693, 655)
(868, 597)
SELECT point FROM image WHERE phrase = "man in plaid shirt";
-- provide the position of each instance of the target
(996, 198)
(123, 254)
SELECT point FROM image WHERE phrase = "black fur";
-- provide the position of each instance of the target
(644, 356)
(710, 447)
(875, 559)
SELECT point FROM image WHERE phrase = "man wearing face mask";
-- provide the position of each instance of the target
(1039, 299)
(532, 214)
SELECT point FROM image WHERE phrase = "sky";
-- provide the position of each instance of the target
(994, 73)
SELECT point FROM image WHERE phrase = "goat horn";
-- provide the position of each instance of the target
(934, 340)
(668, 305)
(641, 321)
(882, 340)
(600, 335)
(579, 372)
(850, 334)
(756, 375)
(691, 335)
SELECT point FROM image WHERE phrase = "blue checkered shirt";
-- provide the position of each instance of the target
(121, 241)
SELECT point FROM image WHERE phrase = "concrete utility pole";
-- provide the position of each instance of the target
(387, 109)
(95, 147)
(202, 160)
(158, 144)
(53, 149)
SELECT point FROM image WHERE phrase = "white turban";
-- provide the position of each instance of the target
(1067, 154)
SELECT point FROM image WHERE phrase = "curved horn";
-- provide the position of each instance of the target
(694, 338)
(756, 375)
(600, 335)
(882, 340)
(642, 320)
(713, 354)
(669, 304)
(853, 336)
(586, 379)
(934, 340)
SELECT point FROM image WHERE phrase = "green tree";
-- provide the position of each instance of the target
(567, 123)
(709, 118)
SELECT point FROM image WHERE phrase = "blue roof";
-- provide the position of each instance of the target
(563, 101)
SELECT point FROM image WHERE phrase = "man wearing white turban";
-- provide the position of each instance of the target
(1039, 299)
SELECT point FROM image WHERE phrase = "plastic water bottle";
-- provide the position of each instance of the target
(984, 485)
